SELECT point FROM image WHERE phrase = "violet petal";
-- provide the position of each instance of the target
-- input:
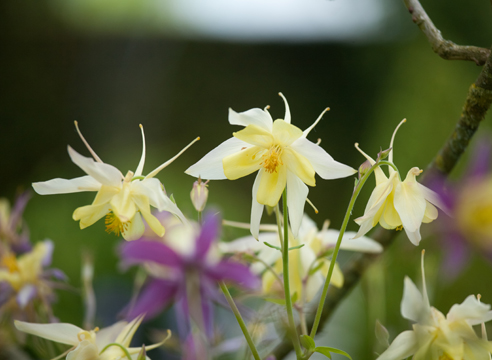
(235, 272)
(18, 210)
(140, 251)
(152, 300)
(209, 232)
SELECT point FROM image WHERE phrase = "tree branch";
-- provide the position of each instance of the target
(444, 48)
(477, 103)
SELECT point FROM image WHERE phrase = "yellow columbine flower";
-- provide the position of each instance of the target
(397, 204)
(308, 265)
(281, 154)
(122, 199)
(111, 343)
(24, 273)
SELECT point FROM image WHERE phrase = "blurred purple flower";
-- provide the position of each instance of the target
(14, 234)
(470, 202)
(186, 277)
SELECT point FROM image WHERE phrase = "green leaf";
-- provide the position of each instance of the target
(326, 351)
(294, 297)
(276, 301)
(316, 268)
(272, 246)
(296, 247)
(308, 342)
(172, 199)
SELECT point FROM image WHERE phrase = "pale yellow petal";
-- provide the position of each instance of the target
(123, 205)
(105, 194)
(271, 186)
(285, 133)
(410, 202)
(89, 214)
(133, 229)
(299, 165)
(243, 162)
(255, 135)
(85, 350)
(268, 280)
(430, 213)
(337, 275)
(390, 215)
(126, 335)
(153, 223)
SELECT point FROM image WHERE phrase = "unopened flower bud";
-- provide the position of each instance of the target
(199, 194)
(364, 168)
(383, 154)
(142, 355)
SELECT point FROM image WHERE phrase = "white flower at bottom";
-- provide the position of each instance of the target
(104, 344)
(438, 337)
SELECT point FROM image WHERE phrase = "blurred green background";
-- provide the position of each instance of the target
(112, 65)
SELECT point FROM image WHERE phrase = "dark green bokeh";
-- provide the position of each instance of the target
(180, 89)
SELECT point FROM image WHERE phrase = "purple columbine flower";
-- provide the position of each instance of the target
(470, 203)
(188, 278)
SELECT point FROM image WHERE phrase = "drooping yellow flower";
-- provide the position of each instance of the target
(281, 154)
(123, 200)
(397, 204)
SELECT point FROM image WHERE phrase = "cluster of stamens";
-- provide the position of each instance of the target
(272, 159)
(10, 262)
(114, 224)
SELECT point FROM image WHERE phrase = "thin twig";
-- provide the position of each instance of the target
(444, 48)
(477, 103)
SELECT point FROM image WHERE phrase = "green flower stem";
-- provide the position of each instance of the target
(240, 320)
(279, 226)
(357, 190)
(285, 264)
(383, 162)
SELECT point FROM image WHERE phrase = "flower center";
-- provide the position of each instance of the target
(271, 160)
(444, 357)
(10, 262)
(114, 224)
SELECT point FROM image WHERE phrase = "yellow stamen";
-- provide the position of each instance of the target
(10, 262)
(271, 160)
(114, 224)
(399, 228)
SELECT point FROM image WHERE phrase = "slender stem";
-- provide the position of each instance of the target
(240, 320)
(279, 226)
(285, 264)
(337, 248)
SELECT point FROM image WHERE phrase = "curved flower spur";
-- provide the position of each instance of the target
(281, 154)
(122, 199)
